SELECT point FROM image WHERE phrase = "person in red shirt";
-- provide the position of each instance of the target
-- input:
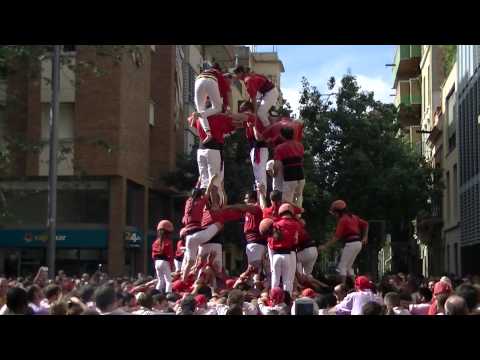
(179, 254)
(282, 240)
(256, 248)
(162, 255)
(276, 201)
(215, 86)
(219, 217)
(289, 156)
(193, 232)
(258, 147)
(272, 134)
(272, 212)
(307, 251)
(210, 153)
(352, 231)
(258, 84)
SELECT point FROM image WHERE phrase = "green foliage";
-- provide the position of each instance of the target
(449, 58)
(353, 153)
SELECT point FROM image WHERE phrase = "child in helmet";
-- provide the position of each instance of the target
(162, 255)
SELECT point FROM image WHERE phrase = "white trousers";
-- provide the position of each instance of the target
(266, 103)
(260, 169)
(306, 260)
(164, 276)
(193, 241)
(282, 269)
(255, 253)
(292, 192)
(206, 249)
(178, 265)
(349, 254)
(207, 87)
(209, 163)
(293, 264)
(277, 181)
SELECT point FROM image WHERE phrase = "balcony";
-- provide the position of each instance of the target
(407, 62)
(408, 100)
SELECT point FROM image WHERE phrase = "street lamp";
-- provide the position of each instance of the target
(52, 168)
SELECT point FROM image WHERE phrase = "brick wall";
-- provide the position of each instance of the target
(162, 137)
(134, 112)
(97, 116)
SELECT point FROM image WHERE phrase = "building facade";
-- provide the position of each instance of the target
(117, 135)
(122, 126)
(468, 107)
(446, 128)
(408, 100)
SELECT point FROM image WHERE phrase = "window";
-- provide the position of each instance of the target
(451, 121)
(455, 193)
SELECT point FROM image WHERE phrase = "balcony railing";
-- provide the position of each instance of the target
(404, 56)
(408, 92)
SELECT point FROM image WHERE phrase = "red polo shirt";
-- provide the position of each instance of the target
(350, 226)
(220, 125)
(180, 252)
(252, 223)
(289, 229)
(193, 212)
(163, 248)
(256, 83)
(272, 211)
(272, 132)
(291, 153)
(221, 216)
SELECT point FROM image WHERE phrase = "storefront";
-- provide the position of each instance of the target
(22, 251)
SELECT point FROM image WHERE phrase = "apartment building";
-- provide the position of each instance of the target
(468, 111)
(121, 130)
(118, 131)
(408, 99)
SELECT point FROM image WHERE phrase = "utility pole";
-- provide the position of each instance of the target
(52, 170)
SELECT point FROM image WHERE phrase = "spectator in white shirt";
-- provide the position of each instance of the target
(353, 302)
(35, 297)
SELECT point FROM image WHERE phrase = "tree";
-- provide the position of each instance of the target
(354, 154)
